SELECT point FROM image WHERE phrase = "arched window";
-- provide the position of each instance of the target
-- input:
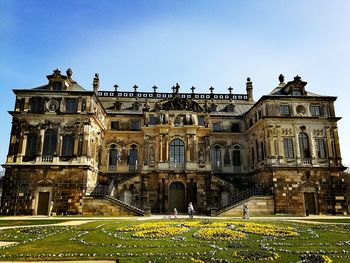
(177, 151)
(304, 145)
(50, 141)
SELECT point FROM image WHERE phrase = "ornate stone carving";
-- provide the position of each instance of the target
(287, 131)
(52, 105)
(179, 104)
(318, 132)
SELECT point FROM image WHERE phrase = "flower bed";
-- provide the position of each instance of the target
(267, 230)
(160, 232)
(217, 233)
(256, 255)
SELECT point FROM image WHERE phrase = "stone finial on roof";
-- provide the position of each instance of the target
(281, 78)
(249, 89)
(96, 83)
(69, 73)
(57, 72)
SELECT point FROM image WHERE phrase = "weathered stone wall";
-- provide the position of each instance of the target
(65, 185)
(257, 206)
(99, 206)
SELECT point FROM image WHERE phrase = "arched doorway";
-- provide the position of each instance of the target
(177, 197)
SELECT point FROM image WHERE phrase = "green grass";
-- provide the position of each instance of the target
(105, 240)
(343, 220)
(29, 222)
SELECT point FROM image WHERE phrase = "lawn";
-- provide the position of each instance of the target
(181, 241)
(29, 222)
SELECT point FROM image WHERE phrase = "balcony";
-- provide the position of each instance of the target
(112, 168)
(47, 159)
(177, 166)
(306, 161)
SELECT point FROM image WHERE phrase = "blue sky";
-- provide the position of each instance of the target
(200, 43)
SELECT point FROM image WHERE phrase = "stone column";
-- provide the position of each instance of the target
(161, 148)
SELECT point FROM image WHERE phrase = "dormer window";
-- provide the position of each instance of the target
(57, 85)
(296, 92)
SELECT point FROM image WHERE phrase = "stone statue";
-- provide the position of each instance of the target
(151, 155)
(201, 156)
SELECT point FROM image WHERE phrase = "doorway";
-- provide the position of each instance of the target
(43, 203)
(310, 206)
(177, 197)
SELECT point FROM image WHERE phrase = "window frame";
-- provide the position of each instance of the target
(138, 128)
(177, 151)
(69, 104)
(217, 127)
(321, 150)
(288, 147)
(284, 110)
(315, 110)
(68, 143)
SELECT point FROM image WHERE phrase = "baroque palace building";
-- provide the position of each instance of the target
(129, 153)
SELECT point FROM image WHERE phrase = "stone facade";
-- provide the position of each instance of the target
(160, 151)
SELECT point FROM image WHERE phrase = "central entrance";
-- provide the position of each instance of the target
(177, 197)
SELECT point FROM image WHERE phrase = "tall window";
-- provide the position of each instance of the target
(288, 147)
(236, 156)
(284, 110)
(235, 127)
(32, 140)
(217, 157)
(177, 151)
(113, 158)
(320, 148)
(36, 105)
(50, 141)
(304, 145)
(67, 145)
(71, 105)
(315, 110)
(133, 157)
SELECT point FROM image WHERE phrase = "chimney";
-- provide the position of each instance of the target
(249, 89)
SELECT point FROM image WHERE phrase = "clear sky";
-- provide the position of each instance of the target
(201, 43)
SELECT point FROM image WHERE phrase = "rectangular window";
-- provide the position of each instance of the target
(235, 127)
(115, 125)
(135, 125)
(152, 120)
(315, 110)
(288, 147)
(132, 160)
(37, 105)
(236, 156)
(67, 145)
(32, 140)
(71, 105)
(320, 148)
(217, 127)
(284, 110)
(201, 121)
(217, 158)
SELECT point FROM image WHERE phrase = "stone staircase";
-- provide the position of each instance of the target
(100, 202)
(237, 200)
